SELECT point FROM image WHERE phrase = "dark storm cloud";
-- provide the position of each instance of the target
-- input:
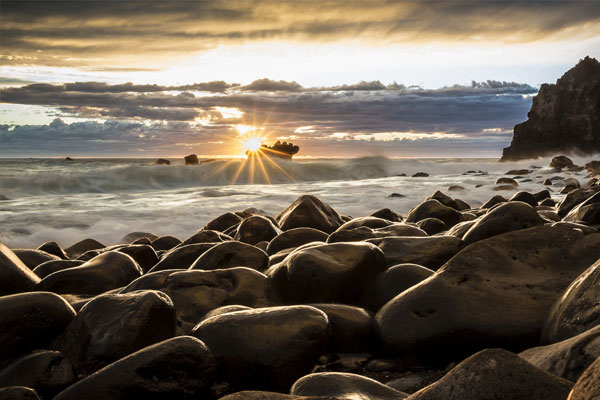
(85, 31)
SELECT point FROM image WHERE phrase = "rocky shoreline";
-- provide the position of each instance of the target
(447, 302)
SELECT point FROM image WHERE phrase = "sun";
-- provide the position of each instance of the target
(252, 144)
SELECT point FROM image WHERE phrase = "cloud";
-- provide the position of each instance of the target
(268, 85)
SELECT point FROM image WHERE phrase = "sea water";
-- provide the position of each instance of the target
(66, 201)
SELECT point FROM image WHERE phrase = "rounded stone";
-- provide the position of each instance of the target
(181, 257)
(310, 212)
(15, 277)
(295, 237)
(255, 229)
(232, 254)
(344, 386)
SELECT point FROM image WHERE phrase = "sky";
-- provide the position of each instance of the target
(339, 78)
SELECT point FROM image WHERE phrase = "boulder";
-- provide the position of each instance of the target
(541, 195)
(517, 172)
(308, 211)
(181, 257)
(506, 181)
(432, 225)
(351, 328)
(224, 310)
(344, 386)
(497, 199)
(267, 348)
(369, 222)
(107, 271)
(177, 368)
(112, 326)
(262, 395)
(508, 217)
(195, 293)
(587, 386)
(431, 252)
(163, 161)
(15, 277)
(577, 310)
(54, 249)
(434, 209)
(388, 214)
(571, 200)
(524, 197)
(495, 374)
(460, 229)
(135, 236)
(232, 254)
(327, 273)
(255, 229)
(32, 258)
(444, 199)
(205, 236)
(495, 292)
(49, 267)
(143, 254)
(30, 321)
(191, 159)
(18, 393)
(363, 233)
(165, 243)
(77, 249)
(420, 175)
(224, 221)
(293, 238)
(587, 212)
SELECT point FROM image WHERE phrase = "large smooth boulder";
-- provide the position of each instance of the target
(507, 217)
(388, 214)
(363, 233)
(104, 272)
(181, 257)
(267, 348)
(224, 222)
(495, 292)
(327, 273)
(232, 254)
(569, 358)
(308, 211)
(369, 222)
(434, 209)
(256, 229)
(295, 237)
(571, 200)
(30, 321)
(195, 293)
(495, 374)
(205, 236)
(577, 310)
(77, 249)
(15, 277)
(351, 328)
(32, 257)
(112, 326)
(53, 248)
(49, 267)
(587, 386)
(587, 212)
(177, 368)
(48, 372)
(143, 254)
(431, 252)
(344, 386)
(18, 393)
(165, 243)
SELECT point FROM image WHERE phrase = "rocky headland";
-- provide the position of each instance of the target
(564, 117)
(450, 302)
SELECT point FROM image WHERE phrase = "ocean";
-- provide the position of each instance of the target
(65, 201)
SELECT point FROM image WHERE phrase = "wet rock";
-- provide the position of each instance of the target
(568, 358)
(224, 221)
(560, 162)
(506, 181)
(134, 236)
(54, 249)
(164, 243)
(432, 225)
(396, 195)
(517, 172)
(255, 229)
(77, 249)
(577, 310)
(344, 386)
(497, 199)
(113, 326)
(460, 229)
(434, 209)
(420, 175)
(462, 205)
(308, 211)
(232, 254)
(261, 395)
(414, 381)
(327, 273)
(495, 374)
(265, 348)
(548, 203)
(195, 293)
(351, 328)
(392, 282)
(521, 273)
(45, 371)
(181, 257)
(191, 159)
(541, 195)
(499, 188)
(588, 212)
(205, 236)
(571, 200)
(363, 233)
(508, 217)
(49, 267)
(30, 321)
(388, 214)
(143, 254)
(163, 161)
(18, 393)
(15, 277)
(224, 310)
(444, 199)
(107, 271)
(295, 237)
(431, 252)
(570, 184)
(455, 188)
(177, 368)
(524, 197)
(587, 386)
(369, 222)
(547, 182)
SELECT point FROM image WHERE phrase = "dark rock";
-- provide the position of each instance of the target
(255, 229)
(462, 205)
(525, 197)
(396, 195)
(431, 252)
(107, 271)
(112, 326)
(587, 212)
(261, 395)
(191, 159)
(163, 161)
(548, 203)
(460, 229)
(564, 117)
(506, 181)
(541, 195)
(165, 243)
(577, 310)
(195, 293)
(570, 184)
(134, 236)
(308, 211)
(369, 222)
(48, 372)
(587, 386)
(143, 254)
(547, 182)
(178, 368)
(49, 267)
(560, 162)
(508, 217)
(232, 254)
(434, 209)
(265, 348)
(392, 282)
(54, 249)
(414, 381)
(144, 240)
(495, 374)
(455, 188)
(88, 255)
(327, 273)
(205, 236)
(295, 237)
(456, 310)
(363, 233)
(30, 321)
(569, 358)
(444, 199)
(420, 175)
(571, 200)
(351, 328)
(224, 310)
(388, 214)
(82, 246)
(497, 199)
(224, 221)
(18, 393)
(181, 257)
(517, 172)
(432, 225)
(15, 277)
(344, 386)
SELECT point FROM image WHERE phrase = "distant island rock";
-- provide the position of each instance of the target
(564, 117)
(191, 159)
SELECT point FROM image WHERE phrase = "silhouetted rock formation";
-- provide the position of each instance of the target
(564, 117)
(192, 159)
(285, 150)
(163, 161)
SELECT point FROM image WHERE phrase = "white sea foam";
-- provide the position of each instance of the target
(51, 199)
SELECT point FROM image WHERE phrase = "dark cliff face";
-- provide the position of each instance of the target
(564, 118)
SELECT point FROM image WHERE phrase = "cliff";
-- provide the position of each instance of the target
(564, 117)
